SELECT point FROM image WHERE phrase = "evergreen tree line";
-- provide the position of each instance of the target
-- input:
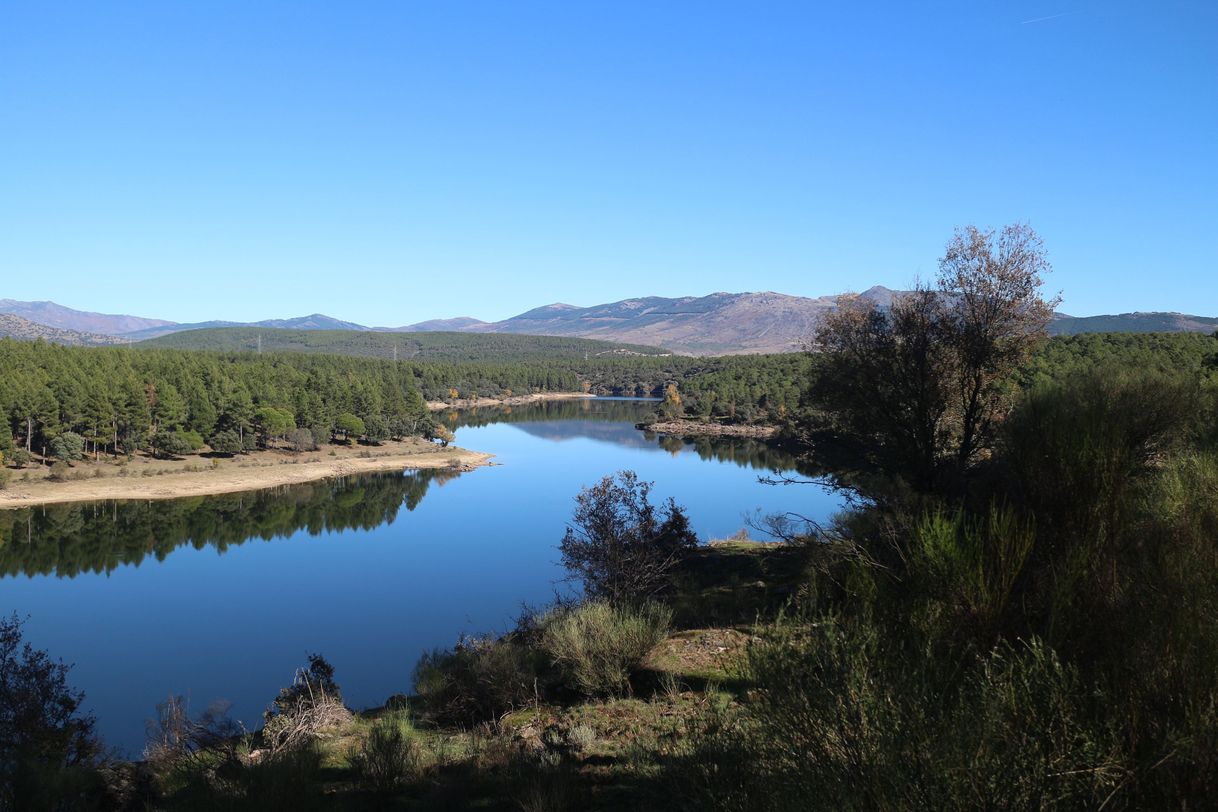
(69, 402)
(72, 401)
(742, 387)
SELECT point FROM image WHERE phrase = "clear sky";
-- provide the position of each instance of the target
(388, 162)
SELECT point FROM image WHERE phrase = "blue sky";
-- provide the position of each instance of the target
(397, 161)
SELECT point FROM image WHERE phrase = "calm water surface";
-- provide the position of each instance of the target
(222, 597)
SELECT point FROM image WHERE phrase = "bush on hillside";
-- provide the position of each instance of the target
(389, 757)
(477, 680)
(597, 647)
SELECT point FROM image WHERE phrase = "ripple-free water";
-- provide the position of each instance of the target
(223, 597)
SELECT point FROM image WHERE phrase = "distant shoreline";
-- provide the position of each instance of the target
(171, 479)
(696, 428)
(514, 400)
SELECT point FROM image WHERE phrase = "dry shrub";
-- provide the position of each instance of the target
(310, 708)
(597, 646)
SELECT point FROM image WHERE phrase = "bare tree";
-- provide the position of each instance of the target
(921, 384)
(997, 318)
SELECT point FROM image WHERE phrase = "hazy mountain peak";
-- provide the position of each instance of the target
(56, 315)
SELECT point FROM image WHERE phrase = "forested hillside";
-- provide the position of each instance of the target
(438, 346)
(124, 399)
(1067, 356)
(121, 400)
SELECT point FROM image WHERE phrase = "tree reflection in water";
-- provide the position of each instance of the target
(93, 537)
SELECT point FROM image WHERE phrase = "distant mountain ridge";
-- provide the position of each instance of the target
(54, 315)
(719, 323)
(1133, 323)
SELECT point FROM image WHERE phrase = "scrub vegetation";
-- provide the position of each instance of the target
(1018, 610)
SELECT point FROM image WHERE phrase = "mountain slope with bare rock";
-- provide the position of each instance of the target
(25, 330)
(720, 323)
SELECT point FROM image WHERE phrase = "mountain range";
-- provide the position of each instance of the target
(721, 323)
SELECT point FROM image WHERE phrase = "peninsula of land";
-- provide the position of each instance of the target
(148, 478)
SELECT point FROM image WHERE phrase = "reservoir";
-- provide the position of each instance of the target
(223, 597)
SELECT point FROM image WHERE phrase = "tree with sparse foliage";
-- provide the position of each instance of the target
(920, 386)
(619, 546)
(47, 745)
(441, 433)
(671, 407)
(302, 440)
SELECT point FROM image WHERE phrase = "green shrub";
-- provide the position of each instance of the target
(290, 779)
(621, 547)
(20, 458)
(171, 443)
(478, 679)
(59, 471)
(970, 566)
(1077, 452)
(597, 646)
(541, 783)
(226, 442)
(5, 476)
(193, 439)
(389, 757)
(856, 719)
(68, 446)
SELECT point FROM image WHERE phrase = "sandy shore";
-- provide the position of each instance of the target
(515, 400)
(196, 476)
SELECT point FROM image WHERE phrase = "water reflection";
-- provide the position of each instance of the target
(98, 537)
(742, 451)
(605, 410)
(95, 537)
(612, 420)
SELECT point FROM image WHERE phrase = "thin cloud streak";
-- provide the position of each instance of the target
(1043, 19)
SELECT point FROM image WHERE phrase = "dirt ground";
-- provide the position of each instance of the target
(196, 475)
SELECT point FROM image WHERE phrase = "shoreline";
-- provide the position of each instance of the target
(514, 400)
(695, 428)
(161, 479)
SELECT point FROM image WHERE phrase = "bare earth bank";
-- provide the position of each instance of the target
(515, 400)
(197, 476)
